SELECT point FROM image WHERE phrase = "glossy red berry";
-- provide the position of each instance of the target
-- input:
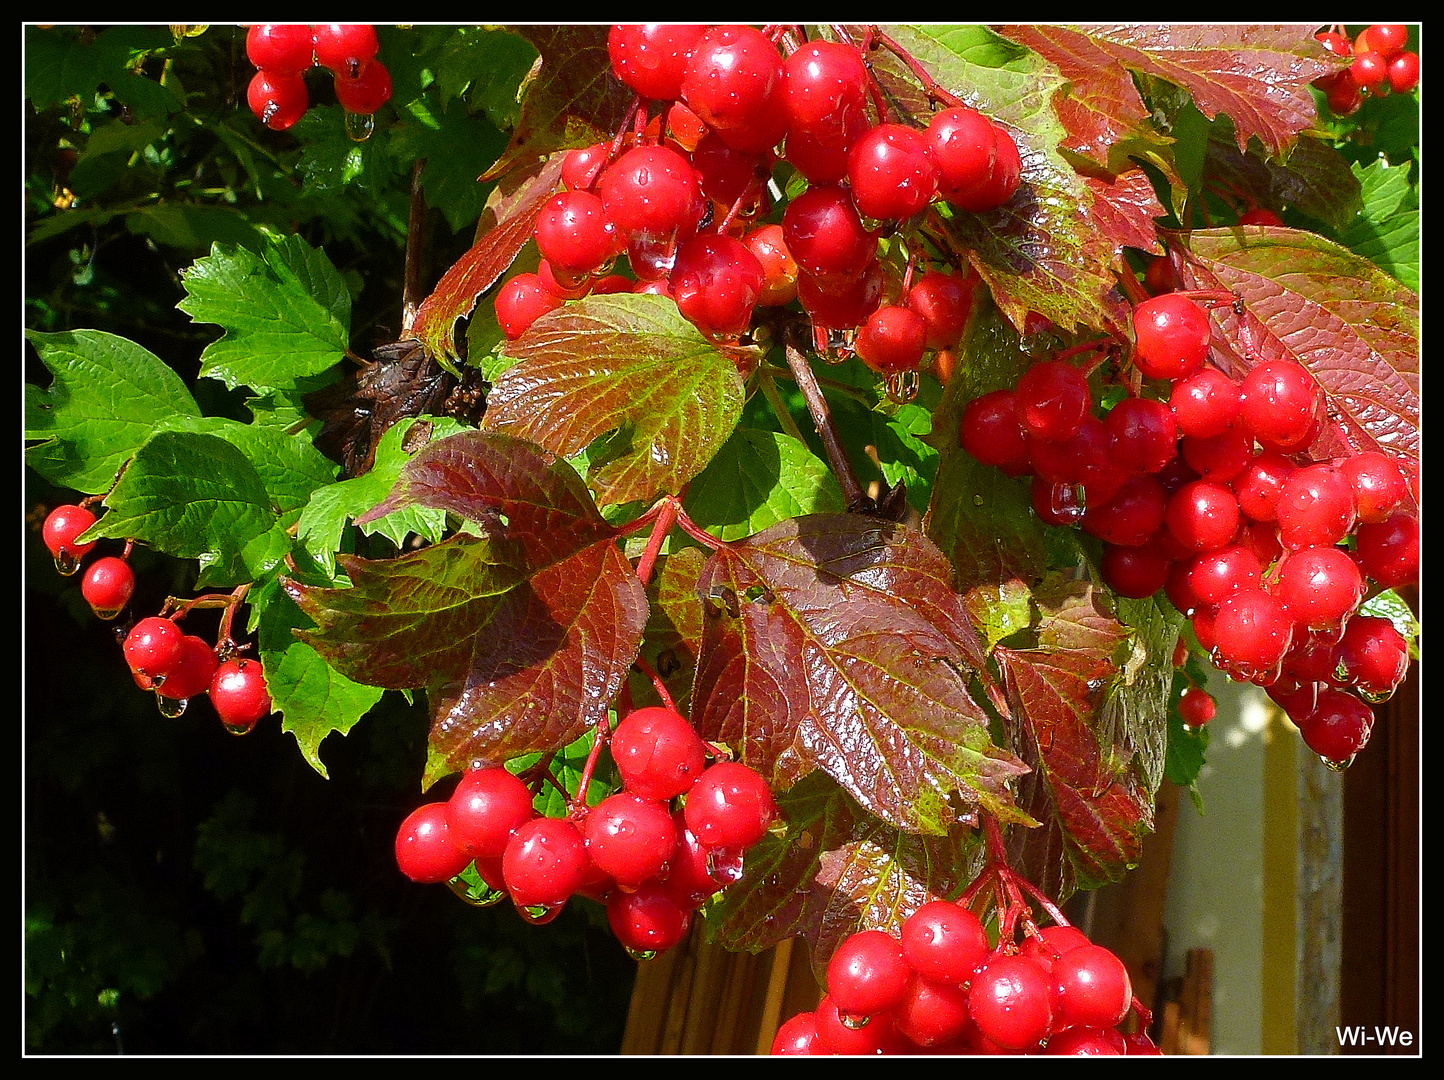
(522, 300)
(647, 919)
(630, 838)
(1093, 988)
(278, 98)
(892, 339)
(279, 47)
(1171, 336)
(867, 973)
(62, 526)
(424, 851)
(153, 647)
(944, 941)
(891, 172)
(657, 752)
(366, 92)
(732, 81)
(730, 805)
(717, 282)
(345, 48)
(545, 862)
(651, 58)
(107, 586)
(487, 806)
(1011, 1001)
(239, 694)
(192, 674)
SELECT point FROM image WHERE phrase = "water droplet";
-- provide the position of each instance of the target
(66, 563)
(652, 257)
(1337, 766)
(539, 914)
(359, 126)
(977, 500)
(479, 895)
(107, 614)
(1373, 697)
(1066, 502)
(239, 729)
(902, 386)
(853, 1022)
(641, 954)
(171, 707)
(724, 865)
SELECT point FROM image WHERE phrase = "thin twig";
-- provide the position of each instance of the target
(852, 491)
(411, 289)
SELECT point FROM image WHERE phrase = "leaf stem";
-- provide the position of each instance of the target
(852, 491)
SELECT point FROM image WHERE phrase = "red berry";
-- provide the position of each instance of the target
(732, 81)
(779, 269)
(424, 851)
(658, 753)
(630, 838)
(989, 430)
(730, 805)
(1279, 402)
(651, 58)
(1093, 988)
(1052, 398)
(192, 674)
(825, 235)
(345, 48)
(1252, 632)
(1388, 550)
(964, 144)
(653, 196)
(891, 172)
(1321, 586)
(62, 526)
(278, 98)
(1011, 1001)
(647, 920)
(1372, 657)
(716, 282)
(1196, 707)
(366, 92)
(545, 862)
(279, 47)
(944, 301)
(575, 233)
(1171, 336)
(107, 586)
(944, 941)
(521, 301)
(1337, 727)
(487, 806)
(153, 647)
(797, 1037)
(1315, 506)
(238, 692)
(867, 973)
(1404, 72)
(892, 339)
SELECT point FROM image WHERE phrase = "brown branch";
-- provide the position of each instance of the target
(852, 490)
(411, 290)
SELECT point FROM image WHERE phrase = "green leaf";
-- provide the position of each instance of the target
(196, 496)
(1387, 229)
(107, 398)
(313, 698)
(628, 368)
(324, 519)
(285, 313)
(757, 479)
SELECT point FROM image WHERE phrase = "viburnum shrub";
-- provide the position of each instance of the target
(818, 447)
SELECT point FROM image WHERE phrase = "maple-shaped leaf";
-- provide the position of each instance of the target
(1093, 798)
(506, 225)
(1352, 325)
(520, 635)
(836, 642)
(1257, 75)
(631, 368)
(1101, 110)
(834, 870)
(570, 99)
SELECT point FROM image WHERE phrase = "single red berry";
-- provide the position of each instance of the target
(1315, 506)
(487, 806)
(1145, 434)
(825, 235)
(1252, 633)
(521, 301)
(647, 920)
(62, 526)
(1171, 336)
(779, 268)
(651, 58)
(658, 753)
(944, 301)
(1205, 403)
(1052, 398)
(1321, 586)
(838, 1033)
(730, 805)
(279, 47)
(153, 647)
(424, 851)
(1093, 988)
(1386, 39)
(1379, 484)
(892, 339)
(964, 144)
(867, 973)
(1337, 727)
(989, 430)
(1388, 550)
(239, 693)
(716, 282)
(545, 862)
(891, 173)
(932, 1013)
(1404, 72)
(1011, 1001)
(1279, 401)
(278, 98)
(630, 838)
(345, 48)
(1087, 1042)
(944, 941)
(107, 586)
(732, 81)
(797, 1037)
(193, 672)
(365, 93)
(574, 233)
(1196, 707)
(1372, 657)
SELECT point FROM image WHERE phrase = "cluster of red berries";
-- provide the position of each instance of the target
(941, 987)
(1381, 64)
(1204, 493)
(682, 196)
(162, 658)
(282, 53)
(650, 863)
